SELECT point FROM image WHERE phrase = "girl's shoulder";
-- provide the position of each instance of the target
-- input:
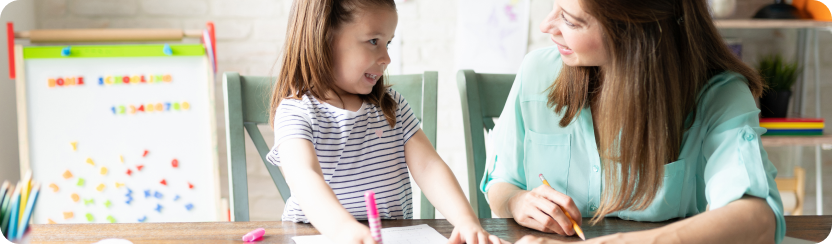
(305, 103)
(394, 94)
(397, 97)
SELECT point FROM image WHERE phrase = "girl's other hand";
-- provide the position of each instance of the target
(473, 234)
(353, 233)
(538, 209)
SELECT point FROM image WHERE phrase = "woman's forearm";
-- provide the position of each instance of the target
(748, 220)
(500, 195)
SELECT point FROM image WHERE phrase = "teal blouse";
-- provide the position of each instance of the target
(721, 155)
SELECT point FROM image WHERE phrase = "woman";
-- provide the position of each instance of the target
(639, 112)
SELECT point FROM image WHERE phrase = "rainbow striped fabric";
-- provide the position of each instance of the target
(792, 126)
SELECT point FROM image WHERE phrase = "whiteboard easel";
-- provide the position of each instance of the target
(119, 133)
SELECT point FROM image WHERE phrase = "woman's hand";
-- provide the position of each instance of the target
(608, 239)
(353, 233)
(536, 240)
(538, 209)
(473, 234)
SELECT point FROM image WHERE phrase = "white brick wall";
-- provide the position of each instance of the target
(120, 8)
(246, 8)
(250, 35)
(174, 8)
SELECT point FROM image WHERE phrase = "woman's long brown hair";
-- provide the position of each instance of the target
(308, 55)
(661, 55)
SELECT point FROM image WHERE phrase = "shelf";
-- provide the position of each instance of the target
(770, 24)
(796, 140)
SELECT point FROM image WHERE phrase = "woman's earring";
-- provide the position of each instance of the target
(680, 20)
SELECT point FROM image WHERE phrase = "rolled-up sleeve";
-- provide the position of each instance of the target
(737, 165)
(507, 140)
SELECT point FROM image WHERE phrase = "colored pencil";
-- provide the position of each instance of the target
(3, 189)
(574, 224)
(372, 215)
(13, 210)
(4, 221)
(24, 195)
(30, 209)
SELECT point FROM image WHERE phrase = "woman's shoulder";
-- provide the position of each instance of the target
(542, 62)
(725, 96)
(539, 69)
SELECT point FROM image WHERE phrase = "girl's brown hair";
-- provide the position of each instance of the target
(661, 55)
(308, 55)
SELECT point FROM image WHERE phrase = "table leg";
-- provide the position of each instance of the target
(819, 181)
(818, 159)
(802, 58)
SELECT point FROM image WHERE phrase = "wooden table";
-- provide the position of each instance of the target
(814, 228)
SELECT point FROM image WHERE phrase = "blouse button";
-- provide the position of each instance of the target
(749, 137)
(595, 168)
(592, 207)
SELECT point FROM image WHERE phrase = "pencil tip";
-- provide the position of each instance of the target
(580, 233)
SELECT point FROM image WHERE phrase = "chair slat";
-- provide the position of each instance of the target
(236, 146)
(483, 98)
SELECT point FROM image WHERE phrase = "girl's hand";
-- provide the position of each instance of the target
(538, 209)
(473, 234)
(353, 233)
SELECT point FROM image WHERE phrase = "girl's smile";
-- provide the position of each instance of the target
(360, 50)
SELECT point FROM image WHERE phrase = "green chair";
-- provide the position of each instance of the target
(247, 105)
(483, 98)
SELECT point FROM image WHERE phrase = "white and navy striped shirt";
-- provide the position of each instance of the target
(358, 151)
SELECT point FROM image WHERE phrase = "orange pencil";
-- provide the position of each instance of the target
(574, 224)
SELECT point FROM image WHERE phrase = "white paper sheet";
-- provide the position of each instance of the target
(114, 241)
(421, 234)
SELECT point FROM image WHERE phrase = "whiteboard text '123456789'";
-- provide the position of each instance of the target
(150, 108)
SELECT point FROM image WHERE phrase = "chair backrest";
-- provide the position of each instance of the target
(247, 105)
(483, 98)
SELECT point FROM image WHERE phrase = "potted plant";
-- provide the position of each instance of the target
(779, 76)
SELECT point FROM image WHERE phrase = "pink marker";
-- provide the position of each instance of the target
(254, 235)
(372, 215)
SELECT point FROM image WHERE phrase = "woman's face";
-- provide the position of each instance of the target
(576, 33)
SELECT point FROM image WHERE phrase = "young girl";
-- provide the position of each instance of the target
(340, 131)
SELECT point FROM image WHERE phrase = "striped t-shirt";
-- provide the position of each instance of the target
(358, 151)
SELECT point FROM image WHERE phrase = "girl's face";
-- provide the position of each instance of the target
(360, 50)
(576, 33)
